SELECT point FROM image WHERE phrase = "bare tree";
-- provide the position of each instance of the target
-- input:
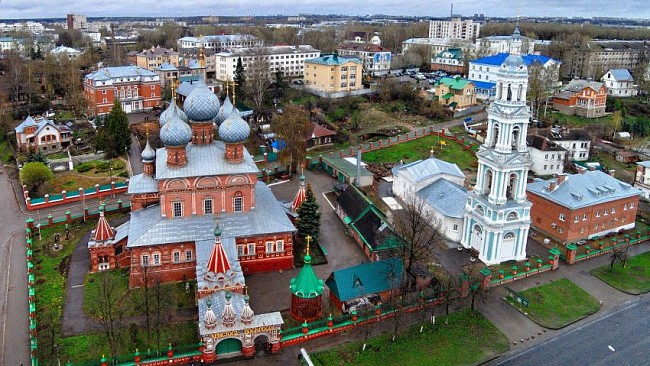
(618, 254)
(472, 275)
(540, 84)
(414, 224)
(292, 126)
(258, 78)
(109, 308)
(160, 305)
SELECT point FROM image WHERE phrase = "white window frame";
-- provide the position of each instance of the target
(157, 259)
(179, 207)
(562, 217)
(279, 246)
(240, 250)
(144, 260)
(206, 202)
(250, 249)
(189, 256)
(238, 202)
(269, 247)
(176, 256)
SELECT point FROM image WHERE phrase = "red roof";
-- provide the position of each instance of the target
(319, 131)
(103, 231)
(218, 262)
(300, 196)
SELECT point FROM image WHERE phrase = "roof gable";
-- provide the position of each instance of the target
(364, 279)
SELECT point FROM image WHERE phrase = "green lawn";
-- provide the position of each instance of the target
(633, 279)
(575, 121)
(468, 339)
(557, 304)
(421, 149)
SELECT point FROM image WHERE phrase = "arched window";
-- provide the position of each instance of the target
(520, 91)
(509, 236)
(495, 133)
(515, 136)
(512, 216)
(509, 92)
(479, 210)
(512, 186)
(487, 186)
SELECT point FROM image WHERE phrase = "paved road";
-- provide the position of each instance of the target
(621, 337)
(14, 336)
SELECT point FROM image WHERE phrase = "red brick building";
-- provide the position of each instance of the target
(583, 98)
(570, 208)
(137, 89)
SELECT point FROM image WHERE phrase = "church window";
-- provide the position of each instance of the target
(156, 259)
(177, 209)
(207, 206)
(509, 236)
(188, 255)
(177, 257)
(238, 202)
(145, 260)
(251, 249)
(562, 217)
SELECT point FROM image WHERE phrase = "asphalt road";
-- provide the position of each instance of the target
(619, 338)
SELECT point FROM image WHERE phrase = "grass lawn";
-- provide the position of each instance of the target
(176, 297)
(91, 347)
(557, 304)
(575, 121)
(70, 181)
(633, 279)
(468, 339)
(623, 172)
(421, 149)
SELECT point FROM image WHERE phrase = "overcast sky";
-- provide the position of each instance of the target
(17, 9)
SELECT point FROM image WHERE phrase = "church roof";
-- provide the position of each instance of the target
(365, 279)
(203, 160)
(218, 302)
(446, 197)
(218, 262)
(583, 190)
(306, 285)
(500, 58)
(142, 183)
(424, 169)
(148, 227)
(103, 231)
(207, 280)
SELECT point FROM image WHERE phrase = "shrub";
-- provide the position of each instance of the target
(85, 167)
(103, 166)
(123, 174)
(118, 164)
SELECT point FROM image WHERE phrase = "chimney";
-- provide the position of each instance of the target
(591, 168)
(552, 186)
(561, 178)
(611, 172)
(581, 170)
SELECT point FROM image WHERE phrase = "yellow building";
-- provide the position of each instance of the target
(333, 74)
(455, 93)
(154, 57)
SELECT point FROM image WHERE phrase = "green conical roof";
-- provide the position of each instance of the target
(306, 285)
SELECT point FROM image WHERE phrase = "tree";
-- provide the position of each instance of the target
(160, 302)
(415, 227)
(472, 275)
(540, 84)
(309, 217)
(117, 123)
(258, 79)
(35, 175)
(240, 76)
(292, 126)
(109, 308)
(618, 254)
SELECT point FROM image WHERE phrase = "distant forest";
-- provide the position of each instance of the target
(549, 31)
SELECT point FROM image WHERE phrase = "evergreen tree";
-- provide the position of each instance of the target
(240, 77)
(117, 123)
(309, 217)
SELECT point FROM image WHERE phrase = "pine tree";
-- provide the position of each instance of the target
(240, 77)
(309, 216)
(117, 123)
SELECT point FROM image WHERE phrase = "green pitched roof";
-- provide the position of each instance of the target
(456, 53)
(448, 95)
(306, 285)
(454, 83)
(364, 279)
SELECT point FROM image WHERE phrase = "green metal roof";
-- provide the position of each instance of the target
(454, 83)
(456, 53)
(306, 285)
(332, 60)
(364, 279)
(448, 95)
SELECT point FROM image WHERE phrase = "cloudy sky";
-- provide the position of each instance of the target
(17, 9)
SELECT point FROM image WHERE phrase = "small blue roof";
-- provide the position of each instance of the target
(483, 84)
(166, 66)
(500, 58)
(582, 190)
(365, 279)
(446, 197)
(332, 60)
(621, 74)
(39, 122)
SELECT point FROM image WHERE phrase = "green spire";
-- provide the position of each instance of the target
(306, 285)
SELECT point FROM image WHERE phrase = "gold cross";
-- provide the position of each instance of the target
(308, 237)
(234, 94)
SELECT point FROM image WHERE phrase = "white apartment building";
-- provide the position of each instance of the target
(31, 27)
(220, 43)
(456, 28)
(290, 60)
(8, 44)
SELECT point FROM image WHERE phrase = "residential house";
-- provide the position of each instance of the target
(319, 136)
(153, 58)
(642, 178)
(577, 142)
(289, 60)
(8, 44)
(455, 93)
(450, 61)
(483, 71)
(365, 285)
(136, 88)
(547, 157)
(620, 83)
(40, 134)
(626, 156)
(67, 52)
(333, 74)
(570, 208)
(583, 98)
(376, 59)
(366, 224)
(437, 187)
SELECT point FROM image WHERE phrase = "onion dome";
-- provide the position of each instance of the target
(514, 64)
(234, 129)
(228, 315)
(224, 111)
(209, 319)
(202, 104)
(148, 154)
(175, 132)
(247, 313)
(167, 113)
